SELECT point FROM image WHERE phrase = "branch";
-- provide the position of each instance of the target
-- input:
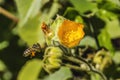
(8, 14)
(81, 60)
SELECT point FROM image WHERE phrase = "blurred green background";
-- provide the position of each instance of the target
(101, 19)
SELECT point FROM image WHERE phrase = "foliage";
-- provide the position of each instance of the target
(62, 74)
(33, 66)
(95, 57)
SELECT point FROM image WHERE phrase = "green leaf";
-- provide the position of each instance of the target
(111, 5)
(6, 74)
(27, 8)
(113, 28)
(53, 10)
(106, 15)
(63, 74)
(49, 13)
(30, 70)
(94, 76)
(87, 40)
(70, 13)
(31, 31)
(2, 66)
(116, 57)
(104, 40)
(112, 22)
(29, 25)
(116, 2)
(83, 5)
(4, 44)
(79, 19)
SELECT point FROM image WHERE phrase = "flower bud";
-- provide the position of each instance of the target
(52, 58)
(102, 60)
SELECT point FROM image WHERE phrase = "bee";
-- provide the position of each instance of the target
(46, 30)
(32, 50)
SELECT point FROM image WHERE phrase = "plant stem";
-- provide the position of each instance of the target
(93, 33)
(75, 67)
(81, 60)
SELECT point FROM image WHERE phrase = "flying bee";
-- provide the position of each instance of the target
(32, 50)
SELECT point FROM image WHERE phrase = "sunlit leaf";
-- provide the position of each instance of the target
(30, 20)
(79, 19)
(4, 44)
(29, 24)
(95, 77)
(2, 66)
(48, 13)
(27, 8)
(116, 57)
(105, 41)
(5, 73)
(53, 10)
(30, 70)
(31, 31)
(63, 74)
(88, 41)
(83, 6)
(112, 22)
(113, 28)
(116, 2)
(111, 4)
(106, 15)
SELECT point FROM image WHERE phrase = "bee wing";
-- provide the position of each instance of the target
(36, 47)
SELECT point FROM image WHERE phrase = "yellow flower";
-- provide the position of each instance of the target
(70, 33)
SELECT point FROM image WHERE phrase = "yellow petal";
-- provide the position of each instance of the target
(70, 33)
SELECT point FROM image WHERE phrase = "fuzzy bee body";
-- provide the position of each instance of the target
(32, 50)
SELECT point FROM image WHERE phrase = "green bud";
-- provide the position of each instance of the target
(52, 59)
(102, 59)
